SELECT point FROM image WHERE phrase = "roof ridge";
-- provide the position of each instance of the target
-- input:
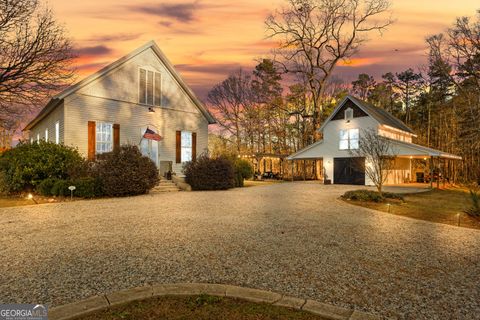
(112, 66)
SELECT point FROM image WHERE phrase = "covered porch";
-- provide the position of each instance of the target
(413, 164)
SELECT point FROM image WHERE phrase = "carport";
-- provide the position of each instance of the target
(332, 167)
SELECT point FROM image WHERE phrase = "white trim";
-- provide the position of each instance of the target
(52, 104)
(293, 156)
(57, 132)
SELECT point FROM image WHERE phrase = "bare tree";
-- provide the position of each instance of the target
(315, 35)
(379, 156)
(35, 57)
(229, 101)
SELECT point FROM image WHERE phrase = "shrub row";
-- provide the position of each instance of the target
(50, 169)
(369, 195)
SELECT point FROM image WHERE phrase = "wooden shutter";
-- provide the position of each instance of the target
(142, 86)
(158, 89)
(92, 131)
(178, 149)
(194, 145)
(150, 87)
(116, 136)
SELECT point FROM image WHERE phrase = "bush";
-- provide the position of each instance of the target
(474, 210)
(368, 195)
(28, 164)
(45, 186)
(87, 187)
(205, 173)
(243, 170)
(60, 188)
(125, 172)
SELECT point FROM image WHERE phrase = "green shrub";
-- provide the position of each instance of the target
(125, 172)
(369, 195)
(60, 188)
(243, 170)
(206, 173)
(28, 164)
(474, 210)
(45, 186)
(87, 187)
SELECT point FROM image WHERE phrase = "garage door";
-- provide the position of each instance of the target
(349, 171)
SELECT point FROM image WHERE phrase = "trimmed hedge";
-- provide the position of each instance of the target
(125, 172)
(206, 173)
(369, 195)
(28, 164)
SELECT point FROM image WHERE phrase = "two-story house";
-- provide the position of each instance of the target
(117, 105)
(341, 133)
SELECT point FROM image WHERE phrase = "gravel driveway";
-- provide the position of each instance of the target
(293, 238)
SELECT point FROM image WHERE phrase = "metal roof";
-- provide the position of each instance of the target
(380, 115)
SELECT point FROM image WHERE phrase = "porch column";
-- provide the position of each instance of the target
(431, 172)
(293, 163)
(304, 170)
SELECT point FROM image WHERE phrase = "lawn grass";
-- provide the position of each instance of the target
(438, 205)
(202, 307)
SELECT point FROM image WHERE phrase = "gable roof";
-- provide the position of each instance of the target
(54, 102)
(383, 117)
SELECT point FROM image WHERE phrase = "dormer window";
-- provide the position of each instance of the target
(150, 84)
(349, 114)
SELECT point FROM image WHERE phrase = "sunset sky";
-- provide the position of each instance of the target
(209, 39)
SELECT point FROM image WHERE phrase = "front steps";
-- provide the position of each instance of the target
(165, 185)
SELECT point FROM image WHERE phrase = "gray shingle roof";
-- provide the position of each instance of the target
(382, 116)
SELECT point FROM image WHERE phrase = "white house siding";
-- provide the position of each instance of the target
(393, 134)
(49, 122)
(79, 109)
(331, 133)
(122, 83)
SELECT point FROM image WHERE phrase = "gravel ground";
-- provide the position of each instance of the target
(293, 238)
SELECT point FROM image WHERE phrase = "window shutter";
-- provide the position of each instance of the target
(194, 145)
(91, 140)
(178, 150)
(150, 87)
(158, 89)
(116, 136)
(142, 89)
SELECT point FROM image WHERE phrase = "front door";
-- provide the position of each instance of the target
(149, 148)
(349, 171)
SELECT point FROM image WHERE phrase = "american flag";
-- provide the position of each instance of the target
(151, 135)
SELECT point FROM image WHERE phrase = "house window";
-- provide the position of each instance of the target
(186, 146)
(149, 91)
(104, 141)
(348, 114)
(46, 134)
(349, 139)
(57, 132)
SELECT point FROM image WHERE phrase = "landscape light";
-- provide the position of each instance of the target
(30, 197)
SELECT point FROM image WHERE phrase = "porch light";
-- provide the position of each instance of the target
(150, 110)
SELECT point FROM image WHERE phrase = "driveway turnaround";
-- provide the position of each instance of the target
(293, 238)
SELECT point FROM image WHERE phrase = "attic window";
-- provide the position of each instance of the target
(149, 90)
(348, 114)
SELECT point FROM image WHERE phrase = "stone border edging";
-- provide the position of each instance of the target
(96, 303)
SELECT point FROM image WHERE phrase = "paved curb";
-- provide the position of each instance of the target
(76, 309)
